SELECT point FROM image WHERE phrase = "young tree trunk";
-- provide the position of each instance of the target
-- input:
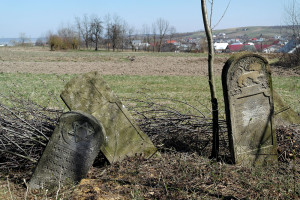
(86, 44)
(214, 100)
(154, 44)
(96, 43)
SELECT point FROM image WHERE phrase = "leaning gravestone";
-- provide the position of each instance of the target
(71, 151)
(91, 94)
(247, 88)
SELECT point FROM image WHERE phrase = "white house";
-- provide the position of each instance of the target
(271, 49)
(220, 47)
(136, 42)
(139, 45)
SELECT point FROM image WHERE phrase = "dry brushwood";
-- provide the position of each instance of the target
(25, 129)
(171, 129)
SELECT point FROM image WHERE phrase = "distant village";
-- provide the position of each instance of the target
(224, 44)
(275, 44)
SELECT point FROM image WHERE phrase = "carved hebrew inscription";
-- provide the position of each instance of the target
(70, 152)
(251, 117)
(249, 109)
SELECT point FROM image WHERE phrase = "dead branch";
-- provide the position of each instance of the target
(25, 128)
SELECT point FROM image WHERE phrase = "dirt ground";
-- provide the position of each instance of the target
(140, 66)
(14, 60)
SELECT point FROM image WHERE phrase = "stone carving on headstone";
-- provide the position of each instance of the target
(90, 93)
(247, 88)
(71, 151)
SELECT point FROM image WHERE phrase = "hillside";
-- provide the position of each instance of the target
(253, 31)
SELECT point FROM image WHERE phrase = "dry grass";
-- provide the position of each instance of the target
(173, 176)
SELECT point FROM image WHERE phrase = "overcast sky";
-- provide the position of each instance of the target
(36, 17)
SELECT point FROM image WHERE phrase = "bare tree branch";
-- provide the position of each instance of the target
(222, 15)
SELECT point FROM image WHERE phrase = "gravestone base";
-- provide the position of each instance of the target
(259, 157)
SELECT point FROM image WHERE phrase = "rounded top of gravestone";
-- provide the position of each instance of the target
(235, 58)
(246, 73)
(241, 55)
(81, 130)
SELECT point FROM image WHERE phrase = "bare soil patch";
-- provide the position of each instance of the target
(108, 63)
(140, 66)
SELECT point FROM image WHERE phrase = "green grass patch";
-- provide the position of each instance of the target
(289, 89)
(45, 88)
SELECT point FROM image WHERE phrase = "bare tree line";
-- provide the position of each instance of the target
(292, 18)
(292, 22)
(110, 32)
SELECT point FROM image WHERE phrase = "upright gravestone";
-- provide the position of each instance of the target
(71, 151)
(247, 88)
(91, 94)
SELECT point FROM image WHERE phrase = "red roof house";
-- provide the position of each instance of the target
(235, 47)
(260, 47)
(171, 41)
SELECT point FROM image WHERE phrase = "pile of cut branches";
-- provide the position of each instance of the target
(187, 129)
(25, 129)
(172, 125)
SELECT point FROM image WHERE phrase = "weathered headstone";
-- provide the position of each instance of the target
(71, 151)
(90, 93)
(247, 88)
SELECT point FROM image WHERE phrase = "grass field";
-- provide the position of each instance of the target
(193, 90)
(177, 175)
